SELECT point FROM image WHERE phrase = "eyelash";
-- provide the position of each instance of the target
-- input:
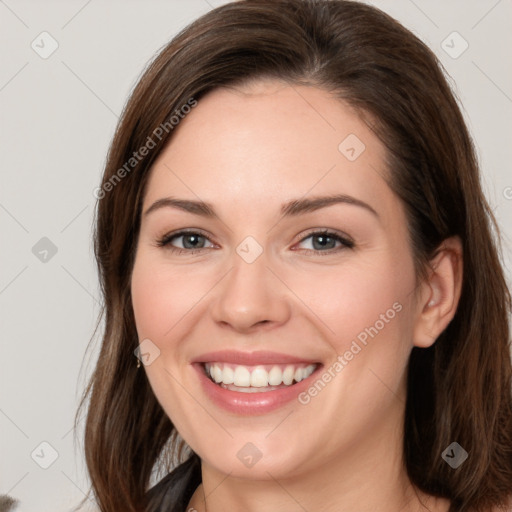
(346, 242)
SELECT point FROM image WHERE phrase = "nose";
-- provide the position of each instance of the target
(250, 297)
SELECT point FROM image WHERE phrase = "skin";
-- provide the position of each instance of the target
(247, 151)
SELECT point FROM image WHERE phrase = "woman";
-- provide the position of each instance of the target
(292, 238)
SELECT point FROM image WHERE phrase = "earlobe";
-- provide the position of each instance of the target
(440, 294)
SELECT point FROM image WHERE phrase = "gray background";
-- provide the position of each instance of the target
(58, 115)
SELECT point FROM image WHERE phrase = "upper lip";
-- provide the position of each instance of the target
(250, 358)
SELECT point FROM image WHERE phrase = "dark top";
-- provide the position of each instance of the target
(173, 492)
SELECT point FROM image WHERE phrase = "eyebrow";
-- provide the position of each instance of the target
(292, 208)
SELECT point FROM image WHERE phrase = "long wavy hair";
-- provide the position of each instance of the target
(459, 389)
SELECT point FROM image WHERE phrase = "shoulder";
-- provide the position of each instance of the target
(437, 504)
(506, 507)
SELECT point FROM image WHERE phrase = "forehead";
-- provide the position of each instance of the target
(268, 141)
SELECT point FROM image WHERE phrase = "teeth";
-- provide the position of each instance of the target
(263, 376)
(228, 375)
(288, 375)
(217, 374)
(259, 378)
(242, 376)
(275, 376)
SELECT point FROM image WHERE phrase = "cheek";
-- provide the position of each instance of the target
(358, 299)
(161, 299)
(147, 301)
(365, 312)
(364, 308)
(162, 296)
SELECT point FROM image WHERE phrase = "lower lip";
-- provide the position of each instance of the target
(252, 403)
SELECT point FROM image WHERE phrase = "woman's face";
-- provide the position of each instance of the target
(259, 295)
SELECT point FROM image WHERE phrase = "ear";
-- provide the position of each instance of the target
(440, 293)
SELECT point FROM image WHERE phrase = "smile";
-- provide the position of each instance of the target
(257, 379)
(248, 383)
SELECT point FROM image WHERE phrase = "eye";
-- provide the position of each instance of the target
(192, 241)
(325, 242)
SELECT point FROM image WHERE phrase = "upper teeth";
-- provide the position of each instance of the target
(258, 376)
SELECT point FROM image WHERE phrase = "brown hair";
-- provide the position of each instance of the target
(460, 388)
